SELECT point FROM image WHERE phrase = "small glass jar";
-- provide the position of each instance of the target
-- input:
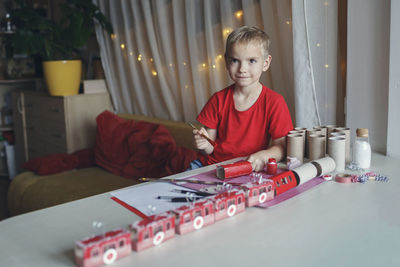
(362, 149)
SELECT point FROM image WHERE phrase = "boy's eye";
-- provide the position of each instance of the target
(234, 60)
(253, 60)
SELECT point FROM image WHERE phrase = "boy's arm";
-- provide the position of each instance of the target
(277, 150)
(201, 143)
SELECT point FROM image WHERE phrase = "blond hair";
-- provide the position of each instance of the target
(246, 34)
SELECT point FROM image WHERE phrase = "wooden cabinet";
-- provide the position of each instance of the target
(49, 124)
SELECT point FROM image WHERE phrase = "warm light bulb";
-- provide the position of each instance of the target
(214, 66)
(154, 72)
(288, 22)
(239, 14)
(318, 44)
(122, 46)
(139, 58)
(113, 36)
(326, 66)
(204, 65)
(170, 64)
(151, 59)
(131, 53)
(184, 63)
(226, 32)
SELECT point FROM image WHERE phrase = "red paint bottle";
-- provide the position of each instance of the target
(272, 166)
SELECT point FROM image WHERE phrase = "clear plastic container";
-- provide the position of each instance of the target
(362, 149)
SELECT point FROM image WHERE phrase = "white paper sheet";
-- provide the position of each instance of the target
(144, 197)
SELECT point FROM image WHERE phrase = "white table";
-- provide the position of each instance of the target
(330, 225)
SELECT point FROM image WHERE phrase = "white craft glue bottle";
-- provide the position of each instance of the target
(362, 149)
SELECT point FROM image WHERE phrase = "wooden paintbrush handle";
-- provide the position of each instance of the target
(212, 142)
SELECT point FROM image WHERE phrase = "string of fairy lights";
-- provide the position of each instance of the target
(207, 64)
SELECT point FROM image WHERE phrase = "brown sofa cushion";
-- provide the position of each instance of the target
(31, 192)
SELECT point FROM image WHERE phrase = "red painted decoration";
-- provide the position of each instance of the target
(194, 217)
(272, 166)
(284, 181)
(234, 169)
(257, 193)
(152, 231)
(103, 249)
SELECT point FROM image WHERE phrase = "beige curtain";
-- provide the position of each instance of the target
(165, 58)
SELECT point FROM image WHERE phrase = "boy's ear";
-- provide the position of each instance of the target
(267, 62)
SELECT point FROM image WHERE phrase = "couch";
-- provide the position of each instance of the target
(29, 192)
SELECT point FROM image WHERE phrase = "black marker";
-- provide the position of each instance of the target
(179, 199)
(198, 193)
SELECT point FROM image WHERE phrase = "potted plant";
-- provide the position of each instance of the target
(56, 42)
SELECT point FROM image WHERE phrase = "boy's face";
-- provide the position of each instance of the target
(246, 63)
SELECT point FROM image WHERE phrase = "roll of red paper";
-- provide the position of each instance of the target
(234, 169)
(272, 167)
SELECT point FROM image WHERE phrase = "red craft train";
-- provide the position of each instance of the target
(156, 229)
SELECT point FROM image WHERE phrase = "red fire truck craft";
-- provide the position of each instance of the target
(194, 217)
(258, 193)
(103, 249)
(152, 231)
(156, 229)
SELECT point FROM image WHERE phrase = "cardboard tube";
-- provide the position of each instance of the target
(323, 129)
(329, 129)
(341, 134)
(317, 146)
(295, 146)
(295, 132)
(307, 141)
(337, 150)
(314, 169)
(301, 131)
(347, 145)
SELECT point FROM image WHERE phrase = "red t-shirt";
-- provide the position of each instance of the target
(242, 133)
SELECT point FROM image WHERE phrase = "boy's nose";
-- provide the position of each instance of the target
(242, 67)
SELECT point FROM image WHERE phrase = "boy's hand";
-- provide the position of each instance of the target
(257, 161)
(276, 151)
(200, 142)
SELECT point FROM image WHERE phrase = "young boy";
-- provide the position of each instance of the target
(242, 118)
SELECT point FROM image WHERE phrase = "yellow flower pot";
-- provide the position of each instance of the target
(62, 77)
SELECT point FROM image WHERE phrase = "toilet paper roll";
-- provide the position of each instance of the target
(315, 168)
(302, 131)
(323, 129)
(337, 150)
(341, 134)
(295, 132)
(329, 130)
(317, 147)
(307, 141)
(295, 146)
(347, 132)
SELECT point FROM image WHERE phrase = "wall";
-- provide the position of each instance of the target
(368, 69)
(393, 142)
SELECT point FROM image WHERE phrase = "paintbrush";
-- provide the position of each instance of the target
(144, 179)
(203, 135)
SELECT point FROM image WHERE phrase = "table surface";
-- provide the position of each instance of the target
(332, 224)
